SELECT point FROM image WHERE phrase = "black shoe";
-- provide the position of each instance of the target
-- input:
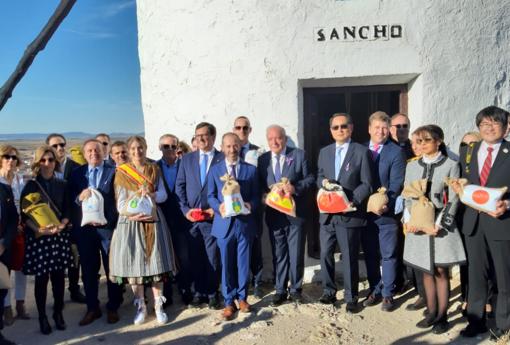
(78, 297)
(60, 324)
(169, 302)
(473, 330)
(257, 292)
(417, 305)
(4, 341)
(440, 327)
(187, 297)
(197, 301)
(44, 325)
(278, 299)
(427, 322)
(351, 307)
(406, 286)
(372, 300)
(387, 304)
(327, 299)
(496, 334)
(296, 297)
(214, 303)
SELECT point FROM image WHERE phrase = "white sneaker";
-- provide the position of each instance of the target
(158, 308)
(141, 311)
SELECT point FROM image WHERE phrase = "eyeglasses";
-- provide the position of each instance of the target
(48, 160)
(55, 146)
(489, 124)
(244, 128)
(424, 141)
(337, 127)
(7, 157)
(402, 126)
(463, 144)
(105, 143)
(168, 147)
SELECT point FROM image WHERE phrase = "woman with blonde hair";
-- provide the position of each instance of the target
(48, 249)
(141, 249)
(9, 165)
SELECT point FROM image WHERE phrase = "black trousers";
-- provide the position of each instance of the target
(204, 260)
(41, 290)
(256, 262)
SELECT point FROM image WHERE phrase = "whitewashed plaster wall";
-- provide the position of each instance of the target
(215, 59)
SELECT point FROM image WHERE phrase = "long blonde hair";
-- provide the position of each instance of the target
(39, 154)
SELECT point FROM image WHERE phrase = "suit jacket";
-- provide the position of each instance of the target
(250, 147)
(248, 182)
(79, 181)
(295, 168)
(190, 192)
(170, 207)
(8, 221)
(389, 172)
(69, 168)
(356, 178)
(495, 228)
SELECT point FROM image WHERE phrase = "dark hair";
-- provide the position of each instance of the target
(103, 135)
(436, 133)
(210, 128)
(347, 116)
(495, 114)
(119, 143)
(54, 135)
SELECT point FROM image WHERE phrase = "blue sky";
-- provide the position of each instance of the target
(87, 77)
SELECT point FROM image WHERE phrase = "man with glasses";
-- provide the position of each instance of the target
(119, 153)
(191, 189)
(400, 126)
(349, 164)
(169, 165)
(67, 165)
(105, 141)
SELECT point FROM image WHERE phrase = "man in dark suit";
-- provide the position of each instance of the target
(242, 128)
(487, 235)
(67, 166)
(93, 240)
(169, 165)
(105, 141)
(350, 164)
(191, 189)
(380, 239)
(399, 131)
(286, 233)
(234, 234)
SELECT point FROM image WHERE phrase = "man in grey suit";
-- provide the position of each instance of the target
(350, 164)
(286, 233)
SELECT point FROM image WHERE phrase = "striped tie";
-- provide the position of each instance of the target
(486, 169)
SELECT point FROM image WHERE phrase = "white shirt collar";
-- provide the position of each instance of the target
(282, 154)
(344, 145)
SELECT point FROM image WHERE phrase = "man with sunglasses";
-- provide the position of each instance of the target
(350, 164)
(400, 126)
(169, 165)
(67, 165)
(105, 141)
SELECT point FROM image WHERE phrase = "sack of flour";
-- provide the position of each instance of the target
(377, 200)
(279, 200)
(422, 212)
(480, 198)
(232, 199)
(92, 209)
(332, 199)
(140, 205)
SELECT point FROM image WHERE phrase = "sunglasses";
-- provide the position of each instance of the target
(404, 126)
(168, 147)
(48, 160)
(7, 157)
(105, 143)
(62, 145)
(463, 144)
(244, 128)
(337, 127)
(424, 141)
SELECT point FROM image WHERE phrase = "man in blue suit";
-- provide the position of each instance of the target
(380, 240)
(349, 164)
(191, 189)
(234, 235)
(94, 240)
(286, 233)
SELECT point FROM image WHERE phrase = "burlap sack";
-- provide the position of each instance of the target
(232, 199)
(377, 200)
(230, 186)
(279, 200)
(422, 213)
(480, 198)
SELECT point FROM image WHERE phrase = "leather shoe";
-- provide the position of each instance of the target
(427, 322)
(197, 301)
(387, 304)
(372, 300)
(440, 327)
(44, 325)
(296, 297)
(257, 292)
(278, 299)
(60, 324)
(496, 334)
(244, 307)
(473, 330)
(112, 316)
(327, 299)
(351, 307)
(90, 316)
(214, 302)
(187, 297)
(417, 305)
(78, 297)
(228, 312)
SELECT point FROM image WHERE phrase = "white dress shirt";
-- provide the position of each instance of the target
(282, 160)
(229, 168)
(345, 147)
(482, 154)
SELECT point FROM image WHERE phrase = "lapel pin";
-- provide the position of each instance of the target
(505, 150)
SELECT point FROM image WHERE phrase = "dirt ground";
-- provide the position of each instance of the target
(308, 323)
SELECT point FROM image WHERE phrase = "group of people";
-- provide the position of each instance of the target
(186, 238)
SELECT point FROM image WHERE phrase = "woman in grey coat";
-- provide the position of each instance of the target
(434, 251)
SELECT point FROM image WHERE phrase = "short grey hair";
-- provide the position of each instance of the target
(278, 127)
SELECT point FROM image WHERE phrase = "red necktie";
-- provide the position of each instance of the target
(486, 169)
(375, 148)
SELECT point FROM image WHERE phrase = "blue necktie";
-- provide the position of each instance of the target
(233, 171)
(93, 178)
(338, 162)
(203, 169)
(277, 170)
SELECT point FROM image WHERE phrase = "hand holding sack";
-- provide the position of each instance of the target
(422, 213)
(377, 201)
(93, 209)
(480, 198)
(232, 199)
(140, 205)
(281, 201)
(332, 199)
(38, 211)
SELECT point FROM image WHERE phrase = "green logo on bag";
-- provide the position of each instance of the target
(133, 203)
